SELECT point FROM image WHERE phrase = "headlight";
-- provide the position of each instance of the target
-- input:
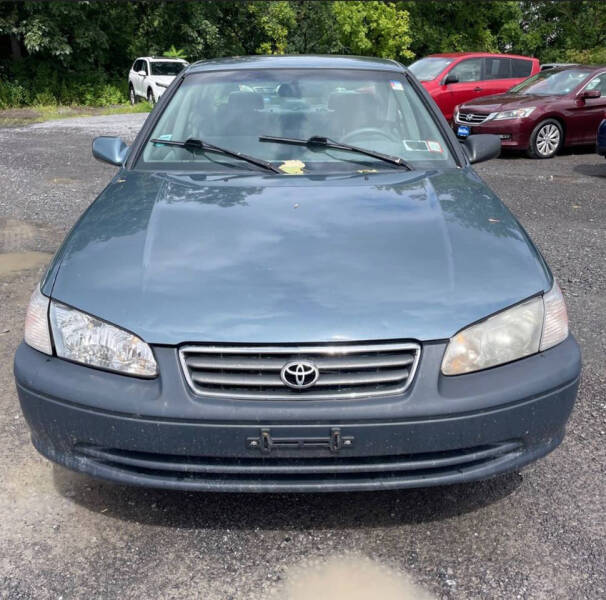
(524, 329)
(37, 334)
(518, 113)
(84, 339)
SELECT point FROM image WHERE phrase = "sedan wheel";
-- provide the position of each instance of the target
(546, 139)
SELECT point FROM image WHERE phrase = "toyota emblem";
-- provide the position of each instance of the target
(299, 374)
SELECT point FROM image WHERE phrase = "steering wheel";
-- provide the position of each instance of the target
(366, 131)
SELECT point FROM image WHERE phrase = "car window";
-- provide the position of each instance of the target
(496, 68)
(520, 67)
(429, 68)
(135, 66)
(375, 110)
(144, 67)
(166, 67)
(553, 82)
(598, 83)
(468, 70)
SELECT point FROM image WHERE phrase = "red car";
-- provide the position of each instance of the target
(452, 79)
(556, 108)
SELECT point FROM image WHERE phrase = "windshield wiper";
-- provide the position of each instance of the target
(194, 144)
(317, 141)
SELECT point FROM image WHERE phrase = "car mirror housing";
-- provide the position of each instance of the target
(451, 78)
(481, 147)
(590, 94)
(142, 73)
(112, 150)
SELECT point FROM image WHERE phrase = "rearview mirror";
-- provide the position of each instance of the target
(451, 78)
(590, 94)
(481, 147)
(111, 150)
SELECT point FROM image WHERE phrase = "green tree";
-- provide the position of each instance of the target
(373, 28)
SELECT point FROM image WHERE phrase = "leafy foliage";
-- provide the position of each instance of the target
(79, 52)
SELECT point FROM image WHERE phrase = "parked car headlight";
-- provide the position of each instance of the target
(524, 329)
(85, 339)
(517, 113)
(37, 334)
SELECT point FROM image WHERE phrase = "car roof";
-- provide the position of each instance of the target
(590, 68)
(295, 62)
(479, 55)
(162, 58)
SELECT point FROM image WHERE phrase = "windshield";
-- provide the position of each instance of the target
(374, 110)
(166, 68)
(551, 83)
(427, 69)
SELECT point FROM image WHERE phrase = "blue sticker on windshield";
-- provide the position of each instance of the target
(396, 85)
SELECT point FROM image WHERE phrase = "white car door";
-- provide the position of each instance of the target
(143, 79)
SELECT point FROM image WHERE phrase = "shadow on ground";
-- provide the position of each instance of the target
(592, 170)
(267, 511)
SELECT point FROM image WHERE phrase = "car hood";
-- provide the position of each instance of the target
(498, 102)
(164, 79)
(415, 255)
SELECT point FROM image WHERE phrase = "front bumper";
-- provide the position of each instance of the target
(443, 430)
(514, 133)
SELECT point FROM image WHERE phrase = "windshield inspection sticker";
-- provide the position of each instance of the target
(292, 167)
(166, 136)
(396, 85)
(422, 146)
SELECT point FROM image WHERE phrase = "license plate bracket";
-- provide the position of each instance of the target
(266, 442)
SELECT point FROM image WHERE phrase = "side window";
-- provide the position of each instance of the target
(496, 68)
(520, 67)
(144, 67)
(598, 83)
(137, 66)
(468, 70)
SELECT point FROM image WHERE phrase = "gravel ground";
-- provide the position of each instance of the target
(538, 534)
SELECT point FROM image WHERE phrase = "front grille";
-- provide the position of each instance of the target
(345, 370)
(473, 118)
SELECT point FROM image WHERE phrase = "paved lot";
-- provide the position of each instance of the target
(539, 534)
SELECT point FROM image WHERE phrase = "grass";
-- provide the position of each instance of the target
(17, 117)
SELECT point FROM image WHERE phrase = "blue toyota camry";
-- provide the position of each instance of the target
(296, 282)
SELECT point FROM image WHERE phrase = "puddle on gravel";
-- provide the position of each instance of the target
(11, 262)
(350, 577)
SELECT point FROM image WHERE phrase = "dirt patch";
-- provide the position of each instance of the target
(351, 577)
(21, 236)
(11, 262)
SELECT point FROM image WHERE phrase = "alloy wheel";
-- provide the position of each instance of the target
(548, 139)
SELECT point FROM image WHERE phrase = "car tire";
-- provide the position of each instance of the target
(132, 97)
(546, 139)
(150, 96)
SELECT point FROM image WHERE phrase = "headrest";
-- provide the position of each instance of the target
(286, 90)
(245, 101)
(352, 102)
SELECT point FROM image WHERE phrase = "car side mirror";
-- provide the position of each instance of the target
(142, 73)
(111, 150)
(590, 94)
(481, 147)
(451, 78)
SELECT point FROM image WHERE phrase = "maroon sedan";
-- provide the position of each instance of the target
(555, 108)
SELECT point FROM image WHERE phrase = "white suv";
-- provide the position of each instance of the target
(150, 76)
